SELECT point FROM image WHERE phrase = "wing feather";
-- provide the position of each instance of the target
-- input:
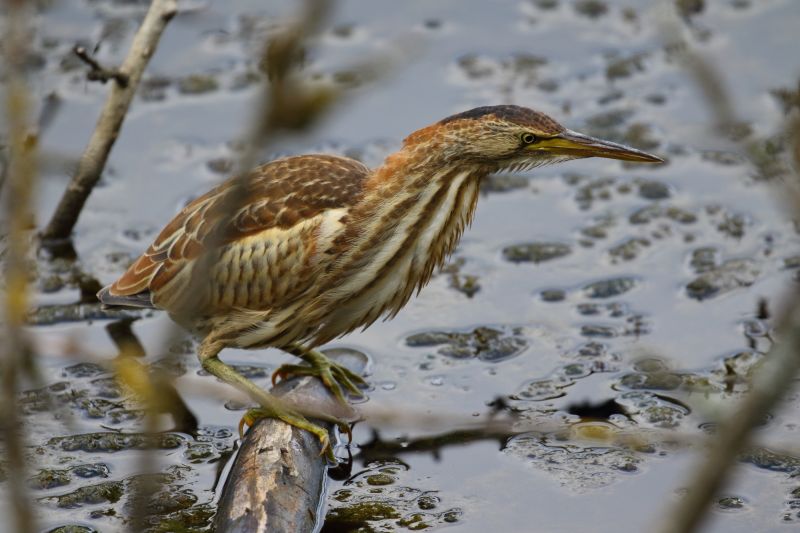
(282, 195)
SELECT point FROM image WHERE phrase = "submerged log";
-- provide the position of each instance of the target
(278, 476)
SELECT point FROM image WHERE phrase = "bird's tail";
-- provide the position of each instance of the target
(140, 299)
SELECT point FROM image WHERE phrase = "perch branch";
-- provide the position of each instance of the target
(93, 160)
(278, 476)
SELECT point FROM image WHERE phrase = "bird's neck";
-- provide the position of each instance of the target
(422, 163)
(412, 213)
(409, 219)
(414, 184)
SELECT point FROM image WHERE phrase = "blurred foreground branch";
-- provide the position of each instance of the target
(21, 177)
(287, 103)
(735, 432)
(94, 158)
(284, 103)
(776, 375)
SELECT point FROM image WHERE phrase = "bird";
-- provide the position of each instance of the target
(305, 249)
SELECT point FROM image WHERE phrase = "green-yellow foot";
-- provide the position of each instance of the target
(271, 406)
(332, 374)
(296, 420)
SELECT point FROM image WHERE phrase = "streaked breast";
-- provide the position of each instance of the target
(406, 258)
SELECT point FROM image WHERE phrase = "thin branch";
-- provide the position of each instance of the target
(108, 127)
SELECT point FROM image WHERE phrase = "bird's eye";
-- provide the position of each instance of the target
(528, 138)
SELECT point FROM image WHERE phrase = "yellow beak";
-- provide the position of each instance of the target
(574, 144)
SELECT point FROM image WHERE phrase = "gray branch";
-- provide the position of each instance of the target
(93, 160)
(278, 477)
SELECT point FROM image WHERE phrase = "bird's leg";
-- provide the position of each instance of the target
(271, 406)
(332, 374)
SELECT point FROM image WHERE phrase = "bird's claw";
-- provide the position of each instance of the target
(332, 374)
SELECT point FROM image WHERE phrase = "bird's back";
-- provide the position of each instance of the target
(262, 254)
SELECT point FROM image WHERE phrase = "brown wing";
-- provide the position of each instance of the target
(277, 196)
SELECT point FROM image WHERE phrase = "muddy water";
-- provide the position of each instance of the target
(635, 289)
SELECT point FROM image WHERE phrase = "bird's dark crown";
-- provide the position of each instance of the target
(522, 116)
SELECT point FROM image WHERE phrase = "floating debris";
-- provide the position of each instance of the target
(730, 275)
(578, 467)
(484, 343)
(609, 288)
(197, 84)
(536, 252)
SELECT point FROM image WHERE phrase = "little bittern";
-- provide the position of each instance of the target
(318, 245)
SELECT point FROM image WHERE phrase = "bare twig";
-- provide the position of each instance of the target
(98, 72)
(110, 122)
(21, 175)
(90, 168)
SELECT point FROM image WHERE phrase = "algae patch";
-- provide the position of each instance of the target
(379, 500)
(484, 343)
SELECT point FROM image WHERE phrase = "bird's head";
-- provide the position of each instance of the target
(513, 137)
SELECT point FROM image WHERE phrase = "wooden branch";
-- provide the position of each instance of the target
(94, 158)
(278, 476)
